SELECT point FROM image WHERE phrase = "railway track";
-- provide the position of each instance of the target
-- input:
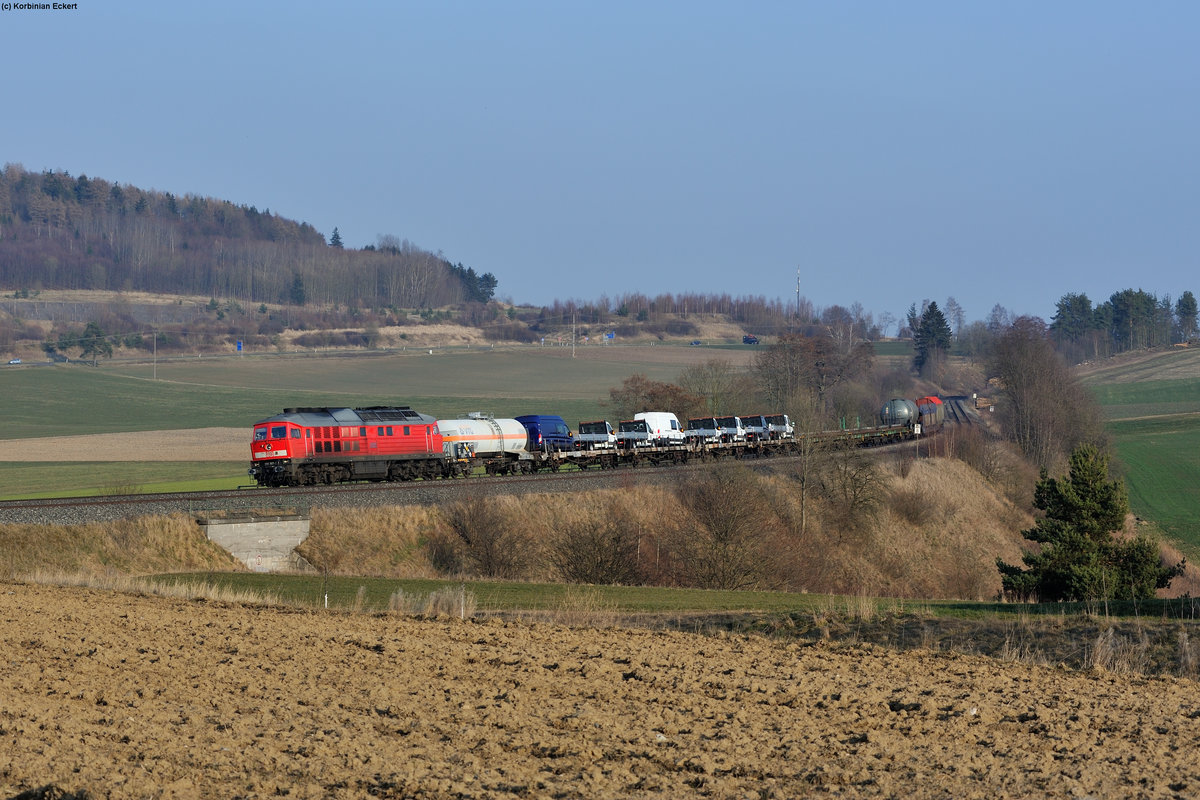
(83, 510)
(959, 410)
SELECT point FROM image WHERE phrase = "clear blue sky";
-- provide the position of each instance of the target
(994, 152)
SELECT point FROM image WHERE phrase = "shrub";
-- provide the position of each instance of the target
(911, 504)
(492, 543)
(601, 548)
(724, 549)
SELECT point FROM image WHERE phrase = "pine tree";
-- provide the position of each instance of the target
(296, 294)
(336, 239)
(931, 340)
(93, 344)
(1185, 315)
(1080, 559)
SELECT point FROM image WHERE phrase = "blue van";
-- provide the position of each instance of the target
(547, 432)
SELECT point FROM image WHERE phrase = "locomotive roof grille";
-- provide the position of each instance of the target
(352, 416)
(386, 414)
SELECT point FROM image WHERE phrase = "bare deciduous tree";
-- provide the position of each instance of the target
(724, 550)
(638, 393)
(814, 365)
(720, 387)
(853, 486)
(600, 549)
(493, 544)
(1043, 407)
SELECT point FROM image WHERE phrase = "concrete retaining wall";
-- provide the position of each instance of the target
(263, 543)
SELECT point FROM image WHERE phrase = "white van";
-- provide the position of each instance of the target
(663, 426)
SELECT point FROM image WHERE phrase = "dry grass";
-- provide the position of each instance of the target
(584, 607)
(387, 541)
(938, 537)
(450, 601)
(125, 547)
(132, 584)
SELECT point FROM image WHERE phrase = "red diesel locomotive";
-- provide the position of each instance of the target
(306, 446)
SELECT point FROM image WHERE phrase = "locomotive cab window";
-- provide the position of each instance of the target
(260, 434)
(296, 433)
(279, 431)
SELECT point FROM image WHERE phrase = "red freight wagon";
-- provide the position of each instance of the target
(931, 413)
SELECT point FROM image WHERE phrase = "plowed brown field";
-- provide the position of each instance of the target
(200, 444)
(135, 696)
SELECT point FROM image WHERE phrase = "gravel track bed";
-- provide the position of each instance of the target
(82, 510)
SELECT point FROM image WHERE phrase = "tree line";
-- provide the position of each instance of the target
(64, 232)
(1129, 320)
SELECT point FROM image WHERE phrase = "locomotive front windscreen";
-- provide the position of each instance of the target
(272, 432)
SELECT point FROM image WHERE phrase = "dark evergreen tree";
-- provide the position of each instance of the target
(93, 343)
(297, 294)
(1185, 315)
(1080, 558)
(476, 288)
(1073, 318)
(931, 339)
(336, 239)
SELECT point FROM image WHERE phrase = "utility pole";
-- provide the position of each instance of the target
(798, 294)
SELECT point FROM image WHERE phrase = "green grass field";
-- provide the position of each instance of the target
(1155, 428)
(1161, 457)
(86, 479)
(233, 391)
(1124, 401)
(74, 399)
(494, 596)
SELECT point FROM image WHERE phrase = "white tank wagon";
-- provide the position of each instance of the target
(500, 445)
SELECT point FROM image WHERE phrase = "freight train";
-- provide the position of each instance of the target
(310, 446)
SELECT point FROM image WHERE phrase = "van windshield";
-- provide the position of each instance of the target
(634, 426)
(593, 427)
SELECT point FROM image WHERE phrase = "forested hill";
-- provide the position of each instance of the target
(64, 232)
